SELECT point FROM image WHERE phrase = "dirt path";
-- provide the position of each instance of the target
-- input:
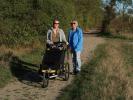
(19, 91)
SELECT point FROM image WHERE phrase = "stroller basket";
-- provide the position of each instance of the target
(54, 57)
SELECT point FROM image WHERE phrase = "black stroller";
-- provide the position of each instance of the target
(55, 63)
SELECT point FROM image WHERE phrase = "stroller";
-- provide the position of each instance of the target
(55, 63)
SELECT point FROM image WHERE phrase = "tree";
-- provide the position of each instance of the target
(111, 9)
(89, 12)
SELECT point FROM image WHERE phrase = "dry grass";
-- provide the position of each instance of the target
(119, 84)
(128, 35)
(105, 77)
(20, 50)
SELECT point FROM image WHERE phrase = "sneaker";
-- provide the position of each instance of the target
(76, 72)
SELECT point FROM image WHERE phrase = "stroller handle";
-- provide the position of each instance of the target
(57, 45)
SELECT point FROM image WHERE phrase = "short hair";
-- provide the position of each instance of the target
(75, 22)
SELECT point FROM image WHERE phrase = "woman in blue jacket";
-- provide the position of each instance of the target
(75, 40)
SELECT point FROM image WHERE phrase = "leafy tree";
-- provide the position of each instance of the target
(89, 12)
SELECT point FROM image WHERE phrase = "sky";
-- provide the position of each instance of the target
(119, 5)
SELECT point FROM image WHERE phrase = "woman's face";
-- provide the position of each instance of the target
(56, 24)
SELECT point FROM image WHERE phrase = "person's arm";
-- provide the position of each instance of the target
(80, 40)
(63, 37)
(49, 41)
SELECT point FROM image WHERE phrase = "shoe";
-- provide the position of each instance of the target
(76, 72)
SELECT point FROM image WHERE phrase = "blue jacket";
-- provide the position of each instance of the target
(75, 39)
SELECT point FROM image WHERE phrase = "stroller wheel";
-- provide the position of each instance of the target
(66, 71)
(45, 80)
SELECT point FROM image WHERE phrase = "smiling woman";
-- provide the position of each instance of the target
(55, 34)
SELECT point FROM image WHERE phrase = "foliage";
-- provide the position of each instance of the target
(89, 12)
(122, 24)
(22, 20)
(113, 10)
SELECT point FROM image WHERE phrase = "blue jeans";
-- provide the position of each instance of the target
(76, 61)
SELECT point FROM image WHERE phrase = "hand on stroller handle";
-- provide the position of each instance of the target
(57, 45)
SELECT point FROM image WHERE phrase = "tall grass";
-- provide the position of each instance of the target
(82, 85)
(104, 78)
(127, 50)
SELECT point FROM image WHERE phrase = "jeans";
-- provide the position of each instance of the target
(76, 61)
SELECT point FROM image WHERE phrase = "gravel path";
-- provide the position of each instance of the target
(29, 91)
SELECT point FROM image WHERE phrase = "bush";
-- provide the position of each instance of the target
(21, 20)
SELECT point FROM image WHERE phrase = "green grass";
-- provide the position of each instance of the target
(33, 57)
(5, 76)
(5, 73)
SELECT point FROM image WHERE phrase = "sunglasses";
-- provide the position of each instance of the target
(73, 23)
(56, 23)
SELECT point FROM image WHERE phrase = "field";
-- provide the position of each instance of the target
(106, 73)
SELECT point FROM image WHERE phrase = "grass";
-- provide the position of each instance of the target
(5, 76)
(127, 50)
(81, 86)
(15, 62)
(108, 76)
(5, 73)
(123, 36)
(105, 77)
(118, 36)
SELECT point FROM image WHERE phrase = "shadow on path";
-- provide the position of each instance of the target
(25, 72)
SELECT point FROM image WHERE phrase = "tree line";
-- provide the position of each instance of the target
(22, 20)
